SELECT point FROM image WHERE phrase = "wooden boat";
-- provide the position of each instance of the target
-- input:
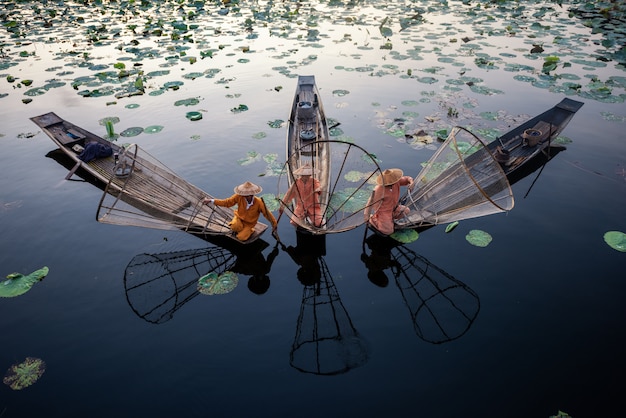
(140, 191)
(468, 178)
(518, 146)
(308, 140)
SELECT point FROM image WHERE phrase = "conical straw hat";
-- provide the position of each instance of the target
(248, 189)
(305, 170)
(390, 176)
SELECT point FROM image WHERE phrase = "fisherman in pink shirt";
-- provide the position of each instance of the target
(306, 191)
(387, 192)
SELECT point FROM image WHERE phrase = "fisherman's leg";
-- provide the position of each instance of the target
(400, 212)
(236, 225)
(245, 233)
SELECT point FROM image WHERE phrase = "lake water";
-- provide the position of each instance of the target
(528, 326)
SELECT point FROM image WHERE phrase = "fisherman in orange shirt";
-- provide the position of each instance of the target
(249, 207)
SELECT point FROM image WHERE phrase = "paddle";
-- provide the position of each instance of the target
(73, 170)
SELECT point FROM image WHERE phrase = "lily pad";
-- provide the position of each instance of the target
(239, 109)
(405, 236)
(478, 238)
(193, 116)
(24, 374)
(214, 284)
(18, 284)
(616, 240)
(130, 132)
(271, 201)
(153, 129)
(450, 227)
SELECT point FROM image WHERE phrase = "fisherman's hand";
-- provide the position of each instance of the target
(208, 201)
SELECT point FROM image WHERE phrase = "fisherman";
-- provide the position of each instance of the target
(387, 192)
(306, 190)
(249, 207)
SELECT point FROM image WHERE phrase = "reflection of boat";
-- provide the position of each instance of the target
(467, 178)
(442, 308)
(326, 341)
(157, 285)
(140, 190)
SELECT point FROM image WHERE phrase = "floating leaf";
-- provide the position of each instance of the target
(616, 240)
(276, 123)
(153, 129)
(130, 132)
(214, 284)
(252, 157)
(187, 102)
(405, 236)
(18, 284)
(24, 374)
(450, 227)
(478, 238)
(259, 135)
(193, 116)
(239, 109)
(271, 201)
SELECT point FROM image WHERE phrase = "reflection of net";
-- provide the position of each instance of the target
(157, 285)
(442, 308)
(462, 180)
(153, 196)
(326, 342)
(347, 177)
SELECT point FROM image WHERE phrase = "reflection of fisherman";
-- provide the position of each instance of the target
(306, 191)
(306, 254)
(380, 259)
(255, 265)
(387, 192)
(249, 207)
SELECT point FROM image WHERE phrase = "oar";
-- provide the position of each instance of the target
(73, 170)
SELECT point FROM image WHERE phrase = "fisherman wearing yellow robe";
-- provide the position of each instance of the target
(249, 208)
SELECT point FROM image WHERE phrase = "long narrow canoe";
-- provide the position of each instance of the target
(140, 190)
(468, 178)
(308, 140)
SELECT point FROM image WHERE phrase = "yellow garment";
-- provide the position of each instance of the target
(246, 218)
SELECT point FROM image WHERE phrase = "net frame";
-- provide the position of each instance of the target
(154, 196)
(341, 207)
(458, 182)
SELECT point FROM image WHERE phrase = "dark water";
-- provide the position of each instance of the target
(534, 322)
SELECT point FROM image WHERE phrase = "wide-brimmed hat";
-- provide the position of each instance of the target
(390, 176)
(305, 170)
(248, 189)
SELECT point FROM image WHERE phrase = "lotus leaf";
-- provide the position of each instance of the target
(24, 374)
(18, 284)
(187, 102)
(478, 238)
(259, 135)
(450, 227)
(130, 132)
(193, 116)
(616, 240)
(276, 123)
(214, 284)
(405, 236)
(271, 201)
(153, 129)
(252, 157)
(239, 109)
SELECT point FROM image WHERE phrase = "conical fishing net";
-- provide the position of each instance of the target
(157, 285)
(144, 192)
(326, 341)
(462, 180)
(346, 174)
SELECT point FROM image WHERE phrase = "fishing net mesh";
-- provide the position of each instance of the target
(347, 175)
(326, 341)
(144, 192)
(442, 308)
(157, 285)
(462, 180)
